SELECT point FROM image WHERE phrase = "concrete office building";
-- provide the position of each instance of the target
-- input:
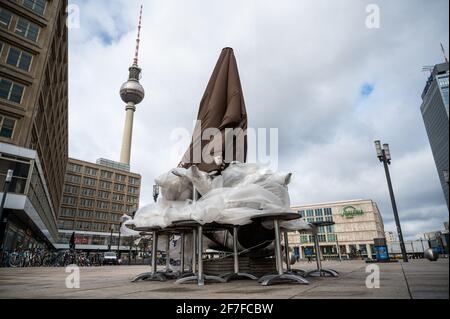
(435, 114)
(95, 198)
(357, 224)
(390, 236)
(33, 116)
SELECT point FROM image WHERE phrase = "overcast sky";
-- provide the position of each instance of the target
(312, 69)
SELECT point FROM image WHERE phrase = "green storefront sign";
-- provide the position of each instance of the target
(350, 212)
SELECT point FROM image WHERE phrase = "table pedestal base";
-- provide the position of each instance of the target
(322, 273)
(286, 277)
(148, 276)
(185, 274)
(200, 281)
(238, 276)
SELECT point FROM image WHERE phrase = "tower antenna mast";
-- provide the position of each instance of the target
(138, 39)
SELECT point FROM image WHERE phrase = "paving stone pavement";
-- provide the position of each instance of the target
(418, 279)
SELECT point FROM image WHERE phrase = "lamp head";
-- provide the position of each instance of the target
(379, 150)
(387, 152)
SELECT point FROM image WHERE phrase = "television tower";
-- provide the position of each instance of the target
(132, 93)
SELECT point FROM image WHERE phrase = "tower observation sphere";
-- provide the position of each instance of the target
(132, 91)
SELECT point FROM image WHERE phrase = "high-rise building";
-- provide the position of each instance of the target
(95, 198)
(33, 116)
(435, 114)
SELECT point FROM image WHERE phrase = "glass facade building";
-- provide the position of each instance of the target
(435, 113)
(33, 117)
(356, 224)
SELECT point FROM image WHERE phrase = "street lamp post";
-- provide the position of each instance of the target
(118, 244)
(3, 218)
(110, 239)
(384, 155)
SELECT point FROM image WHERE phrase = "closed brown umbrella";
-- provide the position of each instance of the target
(222, 107)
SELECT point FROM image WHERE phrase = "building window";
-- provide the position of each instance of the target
(105, 185)
(71, 189)
(6, 126)
(86, 202)
(90, 171)
(106, 174)
(73, 179)
(328, 212)
(102, 205)
(27, 29)
(309, 213)
(115, 217)
(68, 200)
(89, 181)
(5, 18)
(74, 168)
(37, 6)
(102, 194)
(11, 91)
(117, 197)
(1, 47)
(88, 192)
(120, 178)
(318, 212)
(117, 207)
(67, 212)
(66, 224)
(133, 190)
(101, 215)
(133, 180)
(119, 187)
(84, 214)
(19, 59)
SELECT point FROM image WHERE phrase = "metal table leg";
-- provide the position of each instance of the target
(153, 275)
(289, 270)
(236, 274)
(169, 273)
(200, 277)
(320, 271)
(281, 276)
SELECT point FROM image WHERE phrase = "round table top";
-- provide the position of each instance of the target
(194, 224)
(146, 229)
(277, 216)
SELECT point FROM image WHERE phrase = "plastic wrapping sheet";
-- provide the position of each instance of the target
(242, 192)
(153, 215)
(175, 188)
(125, 231)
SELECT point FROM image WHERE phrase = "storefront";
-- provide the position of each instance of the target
(31, 218)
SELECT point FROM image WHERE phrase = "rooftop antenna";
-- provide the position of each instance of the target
(443, 51)
(138, 39)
